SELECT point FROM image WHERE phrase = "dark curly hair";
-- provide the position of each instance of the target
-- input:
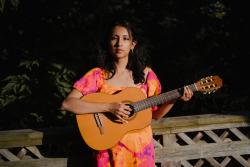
(138, 59)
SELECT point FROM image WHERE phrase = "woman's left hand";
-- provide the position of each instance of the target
(187, 94)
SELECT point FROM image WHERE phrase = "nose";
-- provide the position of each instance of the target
(118, 42)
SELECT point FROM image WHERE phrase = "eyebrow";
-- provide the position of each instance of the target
(127, 35)
(122, 35)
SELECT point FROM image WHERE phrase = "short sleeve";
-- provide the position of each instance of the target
(154, 86)
(91, 81)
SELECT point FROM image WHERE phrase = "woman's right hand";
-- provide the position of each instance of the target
(121, 111)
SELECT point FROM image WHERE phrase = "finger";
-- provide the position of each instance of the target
(123, 113)
(185, 93)
(120, 118)
(188, 92)
(126, 107)
(127, 110)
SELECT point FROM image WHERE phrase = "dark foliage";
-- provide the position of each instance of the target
(46, 45)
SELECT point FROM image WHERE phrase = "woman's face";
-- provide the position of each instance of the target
(121, 42)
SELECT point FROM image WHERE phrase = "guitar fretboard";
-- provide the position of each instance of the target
(160, 99)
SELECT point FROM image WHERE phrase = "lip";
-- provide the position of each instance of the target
(119, 50)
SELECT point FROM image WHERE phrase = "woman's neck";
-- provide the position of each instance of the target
(121, 65)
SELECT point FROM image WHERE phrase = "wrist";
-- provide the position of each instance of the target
(110, 107)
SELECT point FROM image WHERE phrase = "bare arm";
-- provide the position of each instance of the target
(74, 104)
(165, 108)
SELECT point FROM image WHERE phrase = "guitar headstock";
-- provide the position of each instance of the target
(209, 84)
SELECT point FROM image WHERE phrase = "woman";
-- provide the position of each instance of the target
(123, 64)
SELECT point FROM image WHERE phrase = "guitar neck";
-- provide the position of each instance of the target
(160, 99)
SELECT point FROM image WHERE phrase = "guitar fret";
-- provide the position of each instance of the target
(160, 99)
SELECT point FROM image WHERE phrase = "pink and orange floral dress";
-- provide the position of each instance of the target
(135, 149)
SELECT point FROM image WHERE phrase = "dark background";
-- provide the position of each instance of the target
(46, 45)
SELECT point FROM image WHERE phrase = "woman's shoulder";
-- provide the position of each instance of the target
(95, 70)
(147, 71)
(152, 81)
(150, 74)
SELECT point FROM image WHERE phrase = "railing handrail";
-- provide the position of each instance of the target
(31, 137)
(199, 122)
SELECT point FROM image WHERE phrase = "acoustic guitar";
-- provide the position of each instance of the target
(102, 131)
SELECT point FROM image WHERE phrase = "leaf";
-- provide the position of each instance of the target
(24, 63)
(21, 97)
(11, 77)
(28, 90)
(9, 99)
(65, 84)
(22, 88)
(2, 3)
(29, 64)
(15, 3)
(67, 89)
(38, 117)
(8, 87)
(63, 112)
(35, 62)
(59, 117)
(26, 77)
(15, 88)
(57, 66)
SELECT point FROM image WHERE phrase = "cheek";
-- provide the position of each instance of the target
(111, 46)
(128, 46)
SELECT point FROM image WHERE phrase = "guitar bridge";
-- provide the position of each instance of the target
(99, 123)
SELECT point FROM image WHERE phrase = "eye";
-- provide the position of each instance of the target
(113, 38)
(126, 37)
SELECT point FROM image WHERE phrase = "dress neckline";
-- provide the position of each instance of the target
(121, 86)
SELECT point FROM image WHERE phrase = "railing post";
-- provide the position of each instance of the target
(169, 141)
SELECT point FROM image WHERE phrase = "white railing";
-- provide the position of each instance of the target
(189, 141)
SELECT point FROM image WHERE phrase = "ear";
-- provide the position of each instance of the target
(133, 45)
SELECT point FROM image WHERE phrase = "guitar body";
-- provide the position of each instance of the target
(112, 130)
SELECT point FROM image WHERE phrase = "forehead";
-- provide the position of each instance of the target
(120, 30)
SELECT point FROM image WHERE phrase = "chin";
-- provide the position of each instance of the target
(120, 56)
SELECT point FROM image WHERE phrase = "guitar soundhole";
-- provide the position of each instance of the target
(131, 116)
(131, 113)
(112, 117)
